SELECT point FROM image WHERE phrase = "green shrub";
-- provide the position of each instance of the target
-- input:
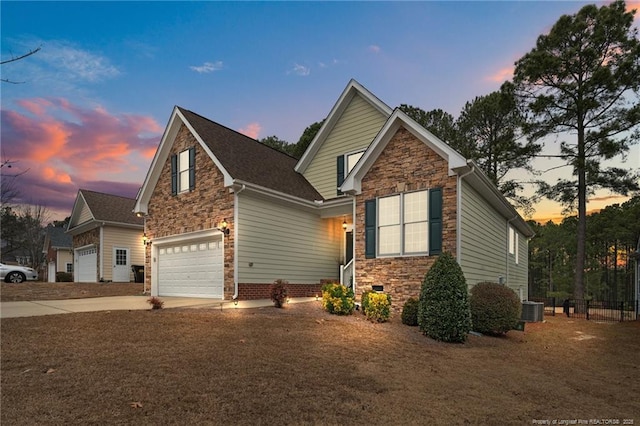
(279, 292)
(364, 301)
(378, 307)
(495, 308)
(337, 299)
(443, 311)
(64, 277)
(410, 312)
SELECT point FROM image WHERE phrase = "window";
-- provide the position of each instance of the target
(402, 224)
(121, 257)
(344, 165)
(352, 159)
(69, 268)
(183, 171)
(513, 244)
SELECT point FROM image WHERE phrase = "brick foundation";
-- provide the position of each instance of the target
(261, 291)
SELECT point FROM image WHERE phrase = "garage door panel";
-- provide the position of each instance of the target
(191, 269)
(87, 264)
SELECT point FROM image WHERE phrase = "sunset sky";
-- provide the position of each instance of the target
(94, 101)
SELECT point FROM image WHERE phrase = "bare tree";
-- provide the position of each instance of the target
(9, 189)
(17, 58)
(34, 219)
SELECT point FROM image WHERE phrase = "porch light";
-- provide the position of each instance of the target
(145, 239)
(224, 227)
(235, 301)
(344, 225)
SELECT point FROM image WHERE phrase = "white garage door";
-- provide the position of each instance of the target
(191, 269)
(87, 265)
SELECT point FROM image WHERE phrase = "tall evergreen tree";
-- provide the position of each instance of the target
(581, 80)
(491, 125)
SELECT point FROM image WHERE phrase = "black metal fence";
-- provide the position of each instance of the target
(595, 310)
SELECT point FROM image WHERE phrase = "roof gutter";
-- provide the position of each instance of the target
(459, 215)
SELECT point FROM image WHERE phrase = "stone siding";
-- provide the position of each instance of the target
(406, 164)
(197, 210)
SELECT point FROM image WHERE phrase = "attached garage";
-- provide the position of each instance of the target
(87, 261)
(191, 268)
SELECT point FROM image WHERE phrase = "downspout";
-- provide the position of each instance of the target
(235, 241)
(459, 215)
(101, 278)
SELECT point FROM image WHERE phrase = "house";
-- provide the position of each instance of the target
(107, 237)
(58, 251)
(372, 202)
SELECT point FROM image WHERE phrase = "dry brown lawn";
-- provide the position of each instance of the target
(300, 365)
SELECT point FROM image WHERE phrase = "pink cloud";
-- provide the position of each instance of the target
(64, 146)
(252, 130)
(502, 75)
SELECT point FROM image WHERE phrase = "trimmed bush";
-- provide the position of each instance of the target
(64, 277)
(279, 293)
(443, 310)
(410, 312)
(378, 307)
(337, 299)
(495, 308)
(364, 301)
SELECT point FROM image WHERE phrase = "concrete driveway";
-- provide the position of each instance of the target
(122, 303)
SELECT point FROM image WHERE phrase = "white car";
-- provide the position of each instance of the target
(17, 274)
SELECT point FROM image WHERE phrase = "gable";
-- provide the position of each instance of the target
(240, 159)
(352, 131)
(93, 209)
(399, 120)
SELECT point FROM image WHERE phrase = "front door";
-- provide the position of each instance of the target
(121, 267)
(348, 248)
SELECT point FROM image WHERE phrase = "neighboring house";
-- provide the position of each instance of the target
(372, 203)
(107, 237)
(58, 251)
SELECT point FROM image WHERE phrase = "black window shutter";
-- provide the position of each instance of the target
(192, 168)
(340, 168)
(435, 221)
(370, 229)
(174, 174)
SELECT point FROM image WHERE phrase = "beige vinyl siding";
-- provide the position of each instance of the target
(85, 215)
(121, 238)
(354, 131)
(62, 258)
(484, 244)
(281, 242)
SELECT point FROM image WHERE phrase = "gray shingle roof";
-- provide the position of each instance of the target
(58, 237)
(111, 208)
(248, 160)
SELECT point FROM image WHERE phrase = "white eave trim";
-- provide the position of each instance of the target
(161, 155)
(397, 120)
(316, 205)
(353, 88)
